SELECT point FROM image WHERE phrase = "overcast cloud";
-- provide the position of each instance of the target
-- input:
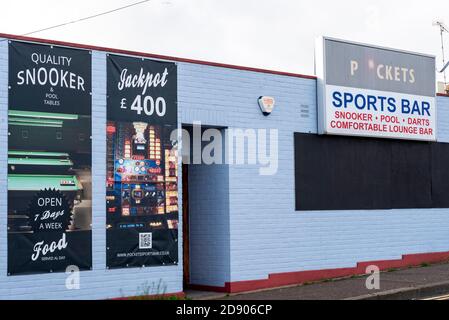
(272, 34)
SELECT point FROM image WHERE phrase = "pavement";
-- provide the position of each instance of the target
(418, 283)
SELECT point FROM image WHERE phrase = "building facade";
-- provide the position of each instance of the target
(244, 230)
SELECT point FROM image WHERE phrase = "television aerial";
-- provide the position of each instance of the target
(441, 25)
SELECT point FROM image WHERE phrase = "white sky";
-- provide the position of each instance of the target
(271, 34)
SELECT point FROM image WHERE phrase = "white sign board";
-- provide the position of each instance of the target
(371, 91)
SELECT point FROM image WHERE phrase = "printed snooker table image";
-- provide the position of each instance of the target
(48, 152)
(31, 165)
(25, 183)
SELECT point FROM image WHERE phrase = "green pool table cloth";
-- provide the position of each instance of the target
(38, 154)
(23, 182)
(39, 162)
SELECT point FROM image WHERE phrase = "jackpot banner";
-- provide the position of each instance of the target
(49, 159)
(370, 91)
(142, 163)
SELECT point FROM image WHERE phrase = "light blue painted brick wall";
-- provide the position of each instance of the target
(98, 283)
(226, 97)
(443, 119)
(267, 235)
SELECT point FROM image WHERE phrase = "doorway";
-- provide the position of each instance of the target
(206, 220)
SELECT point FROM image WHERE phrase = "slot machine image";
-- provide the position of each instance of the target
(143, 199)
(136, 186)
(141, 187)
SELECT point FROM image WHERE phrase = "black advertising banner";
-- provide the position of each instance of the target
(142, 163)
(49, 159)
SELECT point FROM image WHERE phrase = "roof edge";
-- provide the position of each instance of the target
(154, 56)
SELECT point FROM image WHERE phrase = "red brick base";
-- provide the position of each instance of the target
(293, 278)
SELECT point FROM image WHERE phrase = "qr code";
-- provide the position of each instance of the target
(145, 241)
